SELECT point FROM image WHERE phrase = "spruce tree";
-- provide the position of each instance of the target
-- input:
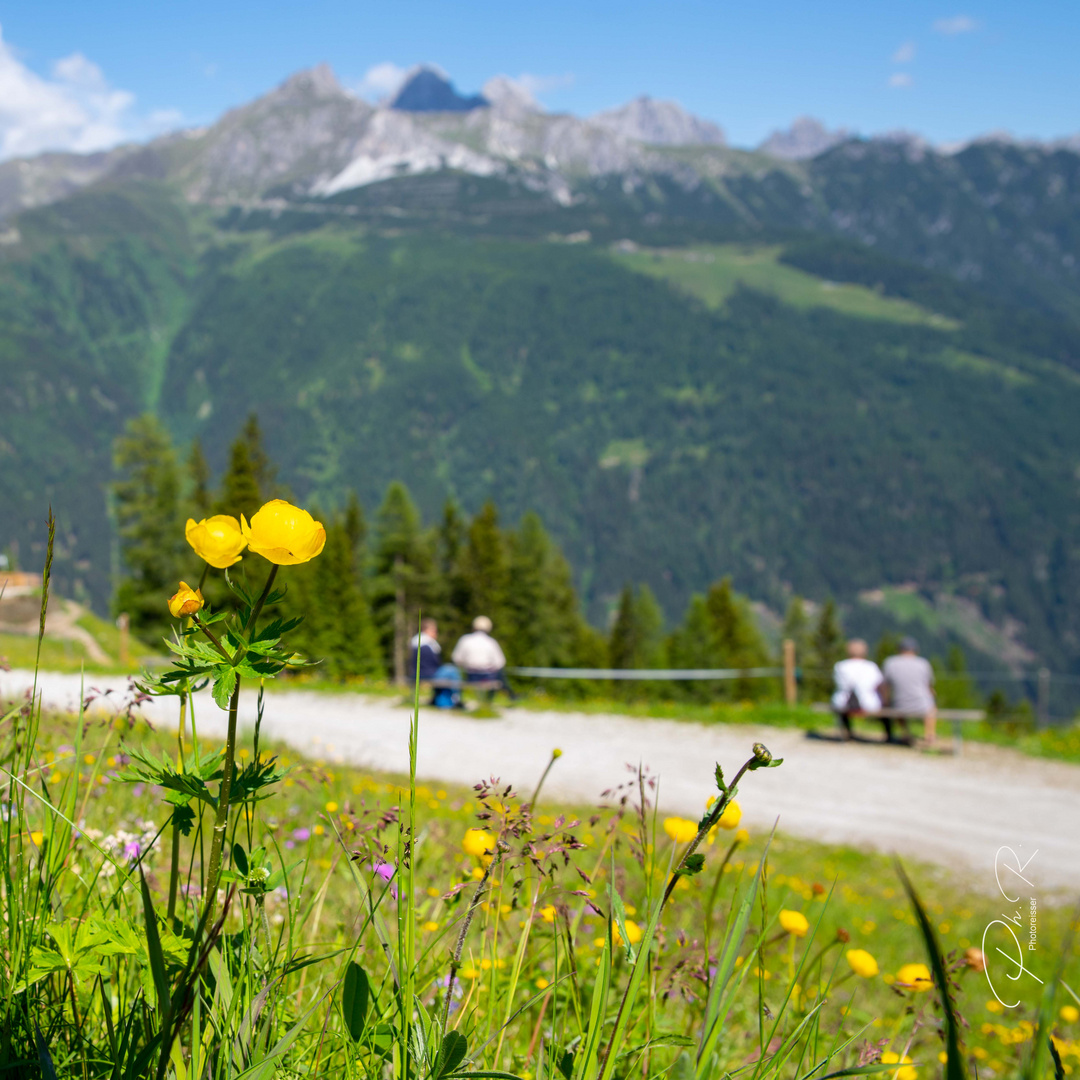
(403, 574)
(198, 479)
(826, 649)
(636, 639)
(485, 570)
(450, 600)
(543, 608)
(338, 629)
(240, 491)
(150, 527)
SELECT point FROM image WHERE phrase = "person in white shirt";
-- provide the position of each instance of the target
(858, 684)
(479, 656)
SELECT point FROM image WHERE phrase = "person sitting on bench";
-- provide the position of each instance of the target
(858, 683)
(425, 652)
(479, 656)
(910, 682)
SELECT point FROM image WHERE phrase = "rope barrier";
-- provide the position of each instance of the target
(657, 674)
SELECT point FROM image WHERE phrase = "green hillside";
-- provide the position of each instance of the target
(780, 413)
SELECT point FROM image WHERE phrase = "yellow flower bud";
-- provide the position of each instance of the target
(915, 977)
(186, 601)
(283, 533)
(216, 540)
(731, 816)
(680, 829)
(794, 922)
(478, 842)
(862, 963)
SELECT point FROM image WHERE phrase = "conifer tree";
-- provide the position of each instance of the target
(150, 526)
(403, 572)
(543, 607)
(338, 628)
(198, 478)
(826, 648)
(450, 599)
(249, 479)
(485, 570)
(636, 639)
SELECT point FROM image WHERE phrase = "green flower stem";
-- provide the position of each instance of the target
(221, 819)
(213, 639)
(256, 611)
(174, 859)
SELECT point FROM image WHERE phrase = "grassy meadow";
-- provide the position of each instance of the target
(753, 961)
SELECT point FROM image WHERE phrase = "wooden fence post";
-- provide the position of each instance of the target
(124, 625)
(791, 693)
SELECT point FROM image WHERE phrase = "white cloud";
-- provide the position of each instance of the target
(957, 24)
(900, 80)
(905, 54)
(538, 85)
(74, 109)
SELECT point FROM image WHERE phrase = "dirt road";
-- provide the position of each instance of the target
(953, 811)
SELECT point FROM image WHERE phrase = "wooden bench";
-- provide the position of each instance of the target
(954, 717)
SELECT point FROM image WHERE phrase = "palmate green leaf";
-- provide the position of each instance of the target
(224, 684)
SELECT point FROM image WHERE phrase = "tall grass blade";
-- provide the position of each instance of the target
(955, 1066)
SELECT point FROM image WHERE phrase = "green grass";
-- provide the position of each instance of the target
(332, 823)
(713, 272)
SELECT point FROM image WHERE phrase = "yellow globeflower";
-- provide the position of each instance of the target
(731, 816)
(743, 836)
(907, 1071)
(1069, 1013)
(186, 601)
(216, 540)
(862, 963)
(548, 913)
(914, 977)
(794, 922)
(283, 533)
(478, 842)
(633, 932)
(680, 829)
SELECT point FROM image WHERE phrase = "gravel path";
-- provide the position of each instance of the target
(955, 811)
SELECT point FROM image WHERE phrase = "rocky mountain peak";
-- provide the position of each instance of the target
(662, 123)
(428, 90)
(509, 97)
(318, 82)
(806, 138)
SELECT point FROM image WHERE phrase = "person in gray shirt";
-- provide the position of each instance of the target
(910, 682)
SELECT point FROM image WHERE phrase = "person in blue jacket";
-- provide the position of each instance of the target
(425, 652)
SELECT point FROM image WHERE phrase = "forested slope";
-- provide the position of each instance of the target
(668, 429)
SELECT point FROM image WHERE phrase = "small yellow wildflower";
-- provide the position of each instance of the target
(36, 837)
(862, 963)
(542, 983)
(994, 1006)
(633, 932)
(915, 977)
(794, 922)
(1069, 1013)
(680, 829)
(331, 807)
(478, 842)
(731, 816)
(430, 926)
(548, 913)
(906, 1071)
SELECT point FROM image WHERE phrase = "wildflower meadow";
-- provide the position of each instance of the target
(178, 908)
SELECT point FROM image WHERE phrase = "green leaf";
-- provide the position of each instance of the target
(240, 858)
(153, 946)
(354, 999)
(694, 864)
(48, 1070)
(451, 1054)
(184, 817)
(224, 684)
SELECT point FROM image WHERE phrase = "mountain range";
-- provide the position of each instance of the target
(829, 366)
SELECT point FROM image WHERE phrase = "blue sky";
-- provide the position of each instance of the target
(79, 75)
